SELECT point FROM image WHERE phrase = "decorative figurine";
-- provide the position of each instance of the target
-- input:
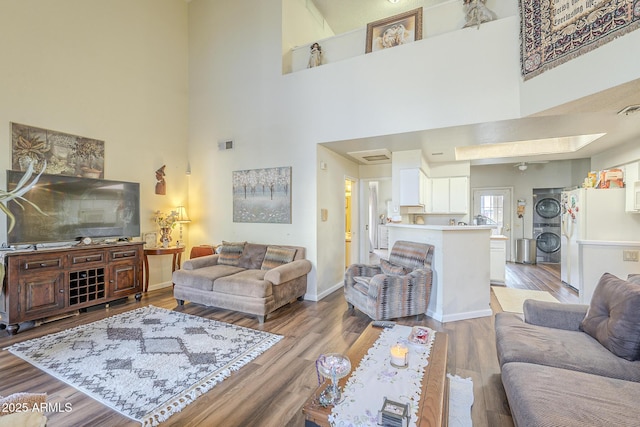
(315, 58)
(476, 12)
(161, 185)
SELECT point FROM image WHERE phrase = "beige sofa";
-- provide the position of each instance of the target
(247, 277)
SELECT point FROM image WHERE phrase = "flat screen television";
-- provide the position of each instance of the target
(73, 207)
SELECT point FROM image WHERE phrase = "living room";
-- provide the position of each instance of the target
(163, 82)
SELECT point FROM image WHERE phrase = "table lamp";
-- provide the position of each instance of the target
(183, 218)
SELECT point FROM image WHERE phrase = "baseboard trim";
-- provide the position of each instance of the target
(162, 285)
(318, 297)
(459, 316)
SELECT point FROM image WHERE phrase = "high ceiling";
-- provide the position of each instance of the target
(597, 113)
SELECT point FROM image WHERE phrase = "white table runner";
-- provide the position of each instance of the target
(375, 378)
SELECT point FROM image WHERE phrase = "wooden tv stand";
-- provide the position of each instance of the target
(50, 282)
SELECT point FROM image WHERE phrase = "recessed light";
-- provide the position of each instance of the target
(394, 1)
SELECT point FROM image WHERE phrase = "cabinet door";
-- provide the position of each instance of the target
(124, 279)
(631, 175)
(459, 195)
(410, 187)
(440, 195)
(40, 294)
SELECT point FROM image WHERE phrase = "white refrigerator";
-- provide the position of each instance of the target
(590, 214)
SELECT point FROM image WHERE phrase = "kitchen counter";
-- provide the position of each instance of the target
(596, 257)
(461, 267)
(443, 227)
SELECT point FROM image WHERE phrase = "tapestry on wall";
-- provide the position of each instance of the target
(555, 31)
(64, 154)
(262, 195)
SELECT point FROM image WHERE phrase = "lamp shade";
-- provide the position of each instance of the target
(182, 215)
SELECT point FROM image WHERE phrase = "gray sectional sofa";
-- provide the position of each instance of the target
(247, 277)
(574, 365)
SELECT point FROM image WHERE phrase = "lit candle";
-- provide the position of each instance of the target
(399, 354)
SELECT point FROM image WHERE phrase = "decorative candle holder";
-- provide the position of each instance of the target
(399, 355)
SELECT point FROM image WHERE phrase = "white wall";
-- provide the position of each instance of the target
(331, 253)
(111, 70)
(545, 175)
(609, 65)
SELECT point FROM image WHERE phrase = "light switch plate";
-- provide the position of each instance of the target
(630, 255)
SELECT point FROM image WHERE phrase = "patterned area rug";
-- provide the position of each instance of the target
(555, 31)
(147, 363)
(513, 299)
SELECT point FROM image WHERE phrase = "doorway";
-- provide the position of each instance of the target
(350, 221)
(495, 204)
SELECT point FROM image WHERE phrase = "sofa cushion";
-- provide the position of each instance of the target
(542, 396)
(252, 256)
(276, 256)
(248, 283)
(203, 278)
(392, 269)
(361, 284)
(517, 341)
(614, 316)
(230, 252)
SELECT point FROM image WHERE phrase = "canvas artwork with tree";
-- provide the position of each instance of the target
(262, 195)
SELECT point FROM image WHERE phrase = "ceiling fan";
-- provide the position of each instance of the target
(522, 166)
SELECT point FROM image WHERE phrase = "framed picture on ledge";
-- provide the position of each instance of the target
(393, 31)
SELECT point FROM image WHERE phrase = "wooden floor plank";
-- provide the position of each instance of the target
(271, 390)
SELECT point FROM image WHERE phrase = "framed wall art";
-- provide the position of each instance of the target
(64, 154)
(393, 31)
(262, 195)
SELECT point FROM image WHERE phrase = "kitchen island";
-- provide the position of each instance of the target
(461, 281)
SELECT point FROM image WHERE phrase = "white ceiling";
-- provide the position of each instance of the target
(594, 114)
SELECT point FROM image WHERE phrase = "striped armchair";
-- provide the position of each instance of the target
(396, 288)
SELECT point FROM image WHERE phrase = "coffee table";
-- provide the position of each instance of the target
(433, 409)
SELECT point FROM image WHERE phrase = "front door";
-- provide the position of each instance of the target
(495, 203)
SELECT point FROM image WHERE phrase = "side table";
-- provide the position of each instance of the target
(176, 251)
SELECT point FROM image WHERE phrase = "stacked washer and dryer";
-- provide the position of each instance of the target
(547, 223)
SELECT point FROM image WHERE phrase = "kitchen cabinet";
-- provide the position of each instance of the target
(497, 259)
(413, 187)
(383, 237)
(46, 283)
(450, 195)
(631, 178)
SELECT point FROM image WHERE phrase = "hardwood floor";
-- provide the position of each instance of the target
(271, 390)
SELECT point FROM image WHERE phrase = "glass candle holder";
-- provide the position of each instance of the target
(399, 355)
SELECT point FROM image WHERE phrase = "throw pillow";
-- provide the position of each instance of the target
(613, 317)
(230, 253)
(277, 256)
(392, 269)
(634, 278)
(252, 256)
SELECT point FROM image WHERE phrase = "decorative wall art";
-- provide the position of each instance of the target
(262, 195)
(65, 154)
(161, 184)
(393, 31)
(555, 31)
